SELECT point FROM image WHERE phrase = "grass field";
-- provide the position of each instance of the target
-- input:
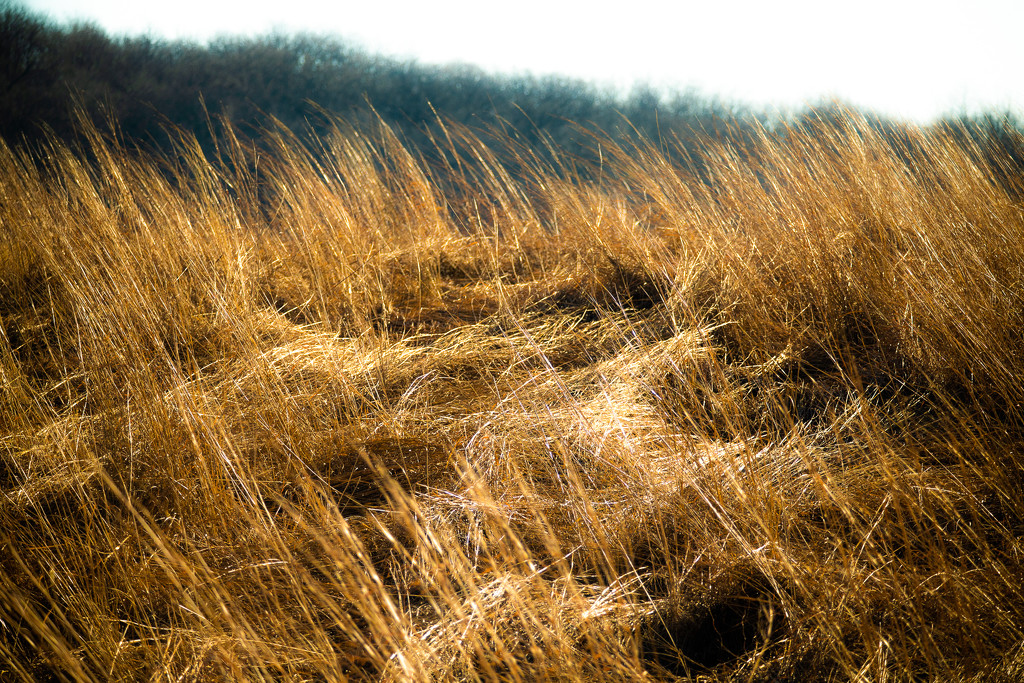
(318, 414)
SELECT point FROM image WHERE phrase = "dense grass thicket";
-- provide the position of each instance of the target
(295, 414)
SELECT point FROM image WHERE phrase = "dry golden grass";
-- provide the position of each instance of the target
(336, 414)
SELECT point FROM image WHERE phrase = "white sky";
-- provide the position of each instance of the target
(903, 58)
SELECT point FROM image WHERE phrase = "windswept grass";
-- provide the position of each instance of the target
(326, 414)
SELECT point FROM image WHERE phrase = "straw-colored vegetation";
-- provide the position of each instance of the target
(341, 413)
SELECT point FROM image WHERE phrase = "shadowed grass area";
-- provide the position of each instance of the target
(334, 414)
